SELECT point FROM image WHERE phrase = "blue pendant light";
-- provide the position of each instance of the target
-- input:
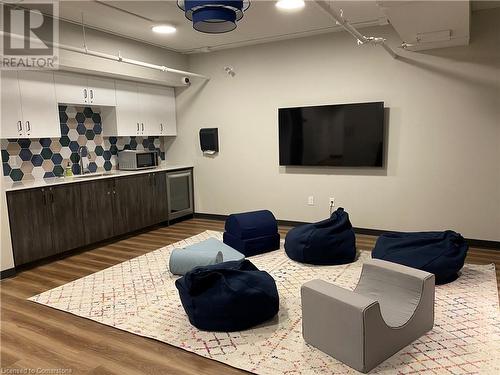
(214, 16)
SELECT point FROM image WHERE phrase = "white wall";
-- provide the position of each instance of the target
(443, 168)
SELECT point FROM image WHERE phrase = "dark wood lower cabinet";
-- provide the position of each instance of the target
(30, 217)
(97, 208)
(128, 213)
(139, 201)
(160, 197)
(147, 209)
(154, 207)
(51, 220)
(66, 222)
(45, 222)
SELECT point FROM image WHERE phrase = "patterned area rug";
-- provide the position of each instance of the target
(139, 296)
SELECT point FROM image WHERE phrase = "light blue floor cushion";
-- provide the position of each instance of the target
(204, 253)
(183, 261)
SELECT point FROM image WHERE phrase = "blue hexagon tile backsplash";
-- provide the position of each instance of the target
(28, 159)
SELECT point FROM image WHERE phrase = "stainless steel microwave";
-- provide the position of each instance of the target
(131, 160)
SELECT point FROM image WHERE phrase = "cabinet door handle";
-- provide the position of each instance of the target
(161, 127)
(91, 94)
(108, 192)
(142, 126)
(114, 192)
(84, 93)
(137, 126)
(28, 126)
(19, 125)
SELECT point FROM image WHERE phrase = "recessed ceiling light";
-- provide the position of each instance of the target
(290, 4)
(163, 29)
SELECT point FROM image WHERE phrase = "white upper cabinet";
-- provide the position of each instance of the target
(39, 105)
(30, 104)
(79, 89)
(142, 110)
(126, 121)
(102, 91)
(160, 105)
(71, 88)
(150, 118)
(12, 115)
(30, 110)
(170, 127)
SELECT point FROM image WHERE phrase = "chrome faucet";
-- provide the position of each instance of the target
(80, 154)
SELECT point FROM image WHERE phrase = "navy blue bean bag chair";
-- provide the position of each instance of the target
(440, 253)
(252, 233)
(229, 296)
(327, 242)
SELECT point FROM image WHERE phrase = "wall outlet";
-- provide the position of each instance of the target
(310, 200)
(331, 202)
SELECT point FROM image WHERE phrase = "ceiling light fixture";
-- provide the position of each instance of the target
(164, 29)
(290, 4)
(214, 16)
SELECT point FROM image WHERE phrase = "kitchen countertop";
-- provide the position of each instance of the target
(54, 181)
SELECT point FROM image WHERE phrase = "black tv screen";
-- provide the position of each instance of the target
(344, 135)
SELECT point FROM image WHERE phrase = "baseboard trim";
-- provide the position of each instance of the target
(7, 273)
(179, 219)
(199, 215)
(287, 223)
(485, 244)
(369, 231)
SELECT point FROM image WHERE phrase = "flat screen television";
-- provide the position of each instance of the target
(343, 135)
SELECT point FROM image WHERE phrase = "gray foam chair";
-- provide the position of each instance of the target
(391, 306)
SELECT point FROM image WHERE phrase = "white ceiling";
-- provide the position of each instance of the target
(262, 22)
(429, 24)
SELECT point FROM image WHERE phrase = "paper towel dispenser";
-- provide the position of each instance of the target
(209, 140)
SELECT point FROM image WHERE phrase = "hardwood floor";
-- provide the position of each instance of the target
(35, 336)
